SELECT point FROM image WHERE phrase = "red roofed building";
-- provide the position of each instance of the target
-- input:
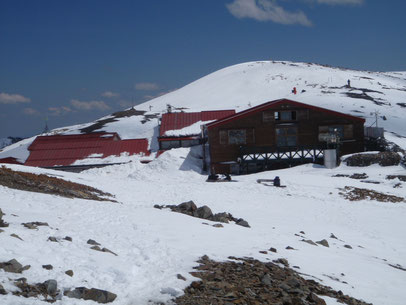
(64, 150)
(277, 134)
(182, 129)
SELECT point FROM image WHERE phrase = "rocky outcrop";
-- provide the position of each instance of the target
(34, 225)
(355, 194)
(97, 295)
(249, 281)
(204, 212)
(385, 158)
(49, 185)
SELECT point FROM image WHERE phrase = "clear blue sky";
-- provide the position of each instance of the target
(75, 61)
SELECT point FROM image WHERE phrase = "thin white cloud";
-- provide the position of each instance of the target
(110, 94)
(341, 2)
(91, 105)
(146, 86)
(6, 98)
(266, 10)
(31, 111)
(57, 111)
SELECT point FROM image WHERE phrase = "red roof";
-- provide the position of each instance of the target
(179, 120)
(275, 103)
(47, 151)
(10, 160)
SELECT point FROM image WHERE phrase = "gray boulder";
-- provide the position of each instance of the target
(204, 212)
(323, 242)
(188, 206)
(51, 286)
(13, 266)
(93, 242)
(221, 217)
(242, 222)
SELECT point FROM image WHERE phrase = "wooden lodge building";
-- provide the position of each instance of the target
(277, 134)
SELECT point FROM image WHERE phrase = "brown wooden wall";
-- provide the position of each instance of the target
(263, 133)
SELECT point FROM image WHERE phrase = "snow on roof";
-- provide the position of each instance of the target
(175, 124)
(48, 151)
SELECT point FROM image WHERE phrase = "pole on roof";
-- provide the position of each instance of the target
(46, 129)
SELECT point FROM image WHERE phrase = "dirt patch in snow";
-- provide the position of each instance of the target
(355, 194)
(249, 281)
(49, 185)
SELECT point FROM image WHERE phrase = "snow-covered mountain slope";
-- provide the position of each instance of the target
(154, 245)
(249, 84)
(367, 259)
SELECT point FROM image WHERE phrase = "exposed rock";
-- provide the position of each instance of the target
(309, 241)
(263, 252)
(386, 158)
(97, 295)
(97, 248)
(218, 225)
(68, 238)
(222, 217)
(273, 250)
(282, 261)
(181, 277)
(289, 248)
(248, 281)
(2, 290)
(359, 176)
(93, 242)
(13, 266)
(188, 206)
(400, 177)
(53, 239)
(108, 251)
(34, 225)
(242, 222)
(51, 286)
(333, 236)
(323, 242)
(16, 236)
(266, 280)
(3, 224)
(48, 289)
(347, 246)
(48, 267)
(69, 272)
(356, 194)
(203, 212)
(48, 185)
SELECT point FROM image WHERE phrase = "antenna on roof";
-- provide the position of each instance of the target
(376, 118)
(46, 129)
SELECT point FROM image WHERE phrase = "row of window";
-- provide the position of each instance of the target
(290, 115)
(178, 143)
(285, 135)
